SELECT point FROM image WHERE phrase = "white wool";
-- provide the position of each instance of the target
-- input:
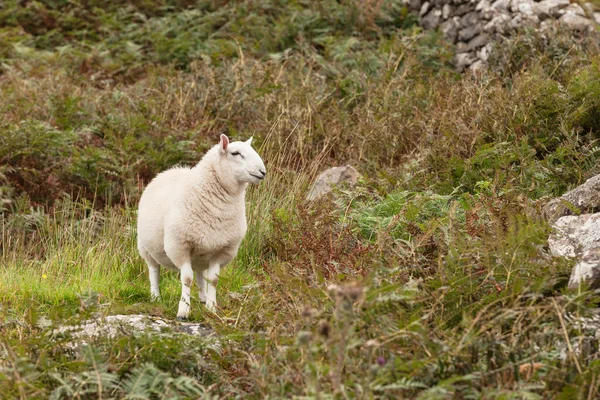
(194, 219)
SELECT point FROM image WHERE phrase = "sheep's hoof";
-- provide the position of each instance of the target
(181, 319)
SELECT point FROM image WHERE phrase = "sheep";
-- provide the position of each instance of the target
(194, 219)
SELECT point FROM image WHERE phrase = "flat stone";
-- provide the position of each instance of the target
(331, 177)
(584, 199)
(478, 41)
(119, 325)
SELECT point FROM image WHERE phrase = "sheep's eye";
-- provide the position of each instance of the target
(237, 153)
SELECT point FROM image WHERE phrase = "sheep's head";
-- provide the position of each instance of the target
(244, 162)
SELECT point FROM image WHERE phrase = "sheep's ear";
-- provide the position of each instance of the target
(249, 141)
(224, 142)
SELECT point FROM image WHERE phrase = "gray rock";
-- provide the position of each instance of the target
(424, 9)
(574, 235)
(587, 270)
(584, 198)
(501, 5)
(478, 41)
(597, 17)
(415, 4)
(498, 24)
(483, 5)
(466, 34)
(329, 178)
(431, 20)
(117, 325)
(450, 29)
(469, 19)
(549, 8)
(575, 9)
(463, 60)
(477, 67)
(463, 9)
(484, 53)
(446, 11)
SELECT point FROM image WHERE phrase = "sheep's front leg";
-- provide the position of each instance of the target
(210, 279)
(187, 278)
(154, 273)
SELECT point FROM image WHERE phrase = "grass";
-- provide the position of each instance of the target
(431, 279)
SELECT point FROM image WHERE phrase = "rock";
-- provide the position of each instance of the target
(575, 235)
(461, 47)
(477, 67)
(549, 8)
(597, 17)
(466, 34)
(584, 198)
(478, 41)
(484, 53)
(446, 11)
(501, 5)
(415, 4)
(463, 60)
(483, 5)
(542, 10)
(331, 177)
(526, 8)
(589, 9)
(431, 20)
(587, 270)
(115, 325)
(424, 9)
(521, 20)
(450, 29)
(463, 9)
(575, 9)
(498, 24)
(469, 19)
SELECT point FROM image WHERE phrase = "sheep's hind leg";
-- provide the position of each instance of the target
(210, 277)
(201, 286)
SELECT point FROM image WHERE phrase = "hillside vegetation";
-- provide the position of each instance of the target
(429, 280)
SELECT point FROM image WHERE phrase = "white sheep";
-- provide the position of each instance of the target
(194, 219)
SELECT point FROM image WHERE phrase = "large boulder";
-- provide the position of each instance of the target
(583, 199)
(579, 237)
(331, 177)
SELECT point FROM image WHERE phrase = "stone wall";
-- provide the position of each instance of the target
(473, 24)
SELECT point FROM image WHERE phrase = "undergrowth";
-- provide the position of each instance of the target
(430, 279)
